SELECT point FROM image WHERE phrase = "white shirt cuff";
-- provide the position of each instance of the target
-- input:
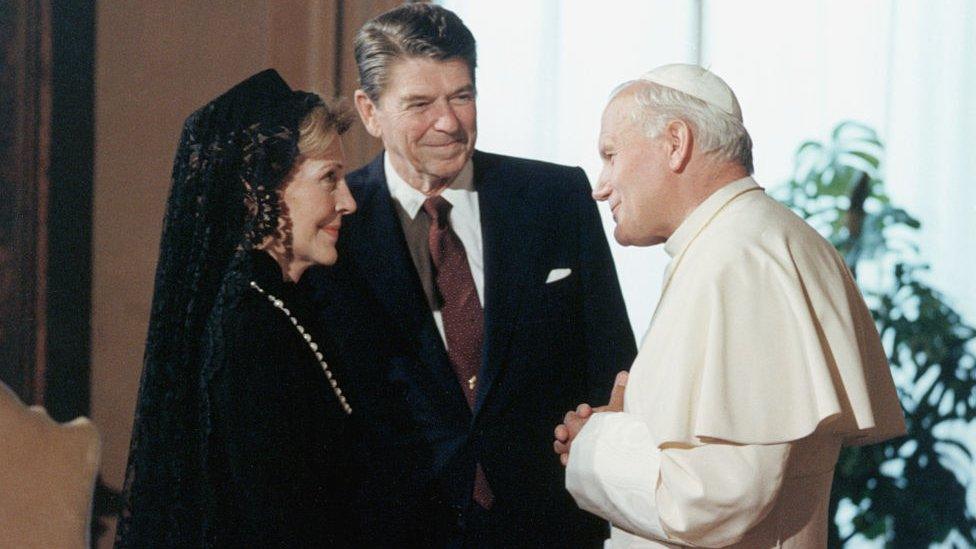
(613, 472)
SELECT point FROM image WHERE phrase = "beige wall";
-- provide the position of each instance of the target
(155, 63)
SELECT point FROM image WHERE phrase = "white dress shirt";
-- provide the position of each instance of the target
(465, 219)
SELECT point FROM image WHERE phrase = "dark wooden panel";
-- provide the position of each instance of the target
(67, 353)
(46, 164)
(24, 104)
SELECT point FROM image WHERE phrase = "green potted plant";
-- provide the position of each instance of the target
(911, 491)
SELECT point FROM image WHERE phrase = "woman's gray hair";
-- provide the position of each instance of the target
(411, 30)
(716, 132)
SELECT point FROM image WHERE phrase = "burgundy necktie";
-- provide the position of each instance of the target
(461, 312)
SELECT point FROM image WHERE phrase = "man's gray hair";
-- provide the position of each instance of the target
(411, 30)
(716, 132)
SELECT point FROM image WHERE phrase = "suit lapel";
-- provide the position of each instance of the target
(509, 241)
(377, 245)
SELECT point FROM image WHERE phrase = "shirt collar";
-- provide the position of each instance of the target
(412, 200)
(701, 214)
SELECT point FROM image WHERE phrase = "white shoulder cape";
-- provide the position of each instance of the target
(761, 335)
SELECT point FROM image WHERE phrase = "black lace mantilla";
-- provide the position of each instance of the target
(233, 154)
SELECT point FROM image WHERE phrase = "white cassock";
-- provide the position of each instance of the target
(760, 363)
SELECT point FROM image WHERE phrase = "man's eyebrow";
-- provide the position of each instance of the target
(463, 89)
(467, 88)
(414, 97)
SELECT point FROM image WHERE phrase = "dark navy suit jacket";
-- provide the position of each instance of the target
(548, 347)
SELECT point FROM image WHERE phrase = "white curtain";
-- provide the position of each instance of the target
(931, 134)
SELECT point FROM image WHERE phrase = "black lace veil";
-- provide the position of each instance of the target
(233, 154)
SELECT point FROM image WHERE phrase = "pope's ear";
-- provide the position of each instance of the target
(367, 112)
(680, 142)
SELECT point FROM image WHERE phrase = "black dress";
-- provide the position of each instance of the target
(277, 459)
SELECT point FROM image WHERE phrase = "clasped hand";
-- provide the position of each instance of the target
(574, 420)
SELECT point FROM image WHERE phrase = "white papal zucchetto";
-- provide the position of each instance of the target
(697, 82)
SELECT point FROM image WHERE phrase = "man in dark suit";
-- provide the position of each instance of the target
(485, 284)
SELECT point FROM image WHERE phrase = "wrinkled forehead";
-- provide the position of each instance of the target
(423, 75)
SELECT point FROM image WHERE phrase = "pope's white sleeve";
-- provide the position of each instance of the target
(708, 496)
(613, 470)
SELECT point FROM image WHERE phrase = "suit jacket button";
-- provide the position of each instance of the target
(458, 515)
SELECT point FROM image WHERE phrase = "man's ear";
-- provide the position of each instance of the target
(367, 112)
(680, 143)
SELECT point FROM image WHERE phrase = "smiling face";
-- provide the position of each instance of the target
(426, 117)
(313, 200)
(635, 177)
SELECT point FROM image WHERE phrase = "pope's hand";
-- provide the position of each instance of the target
(616, 403)
(574, 420)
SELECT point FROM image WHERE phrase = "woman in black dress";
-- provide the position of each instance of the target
(241, 429)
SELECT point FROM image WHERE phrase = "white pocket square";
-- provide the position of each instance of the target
(557, 274)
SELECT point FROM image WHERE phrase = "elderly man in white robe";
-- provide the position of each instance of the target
(761, 360)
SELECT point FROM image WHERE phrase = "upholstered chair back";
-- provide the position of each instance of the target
(47, 476)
